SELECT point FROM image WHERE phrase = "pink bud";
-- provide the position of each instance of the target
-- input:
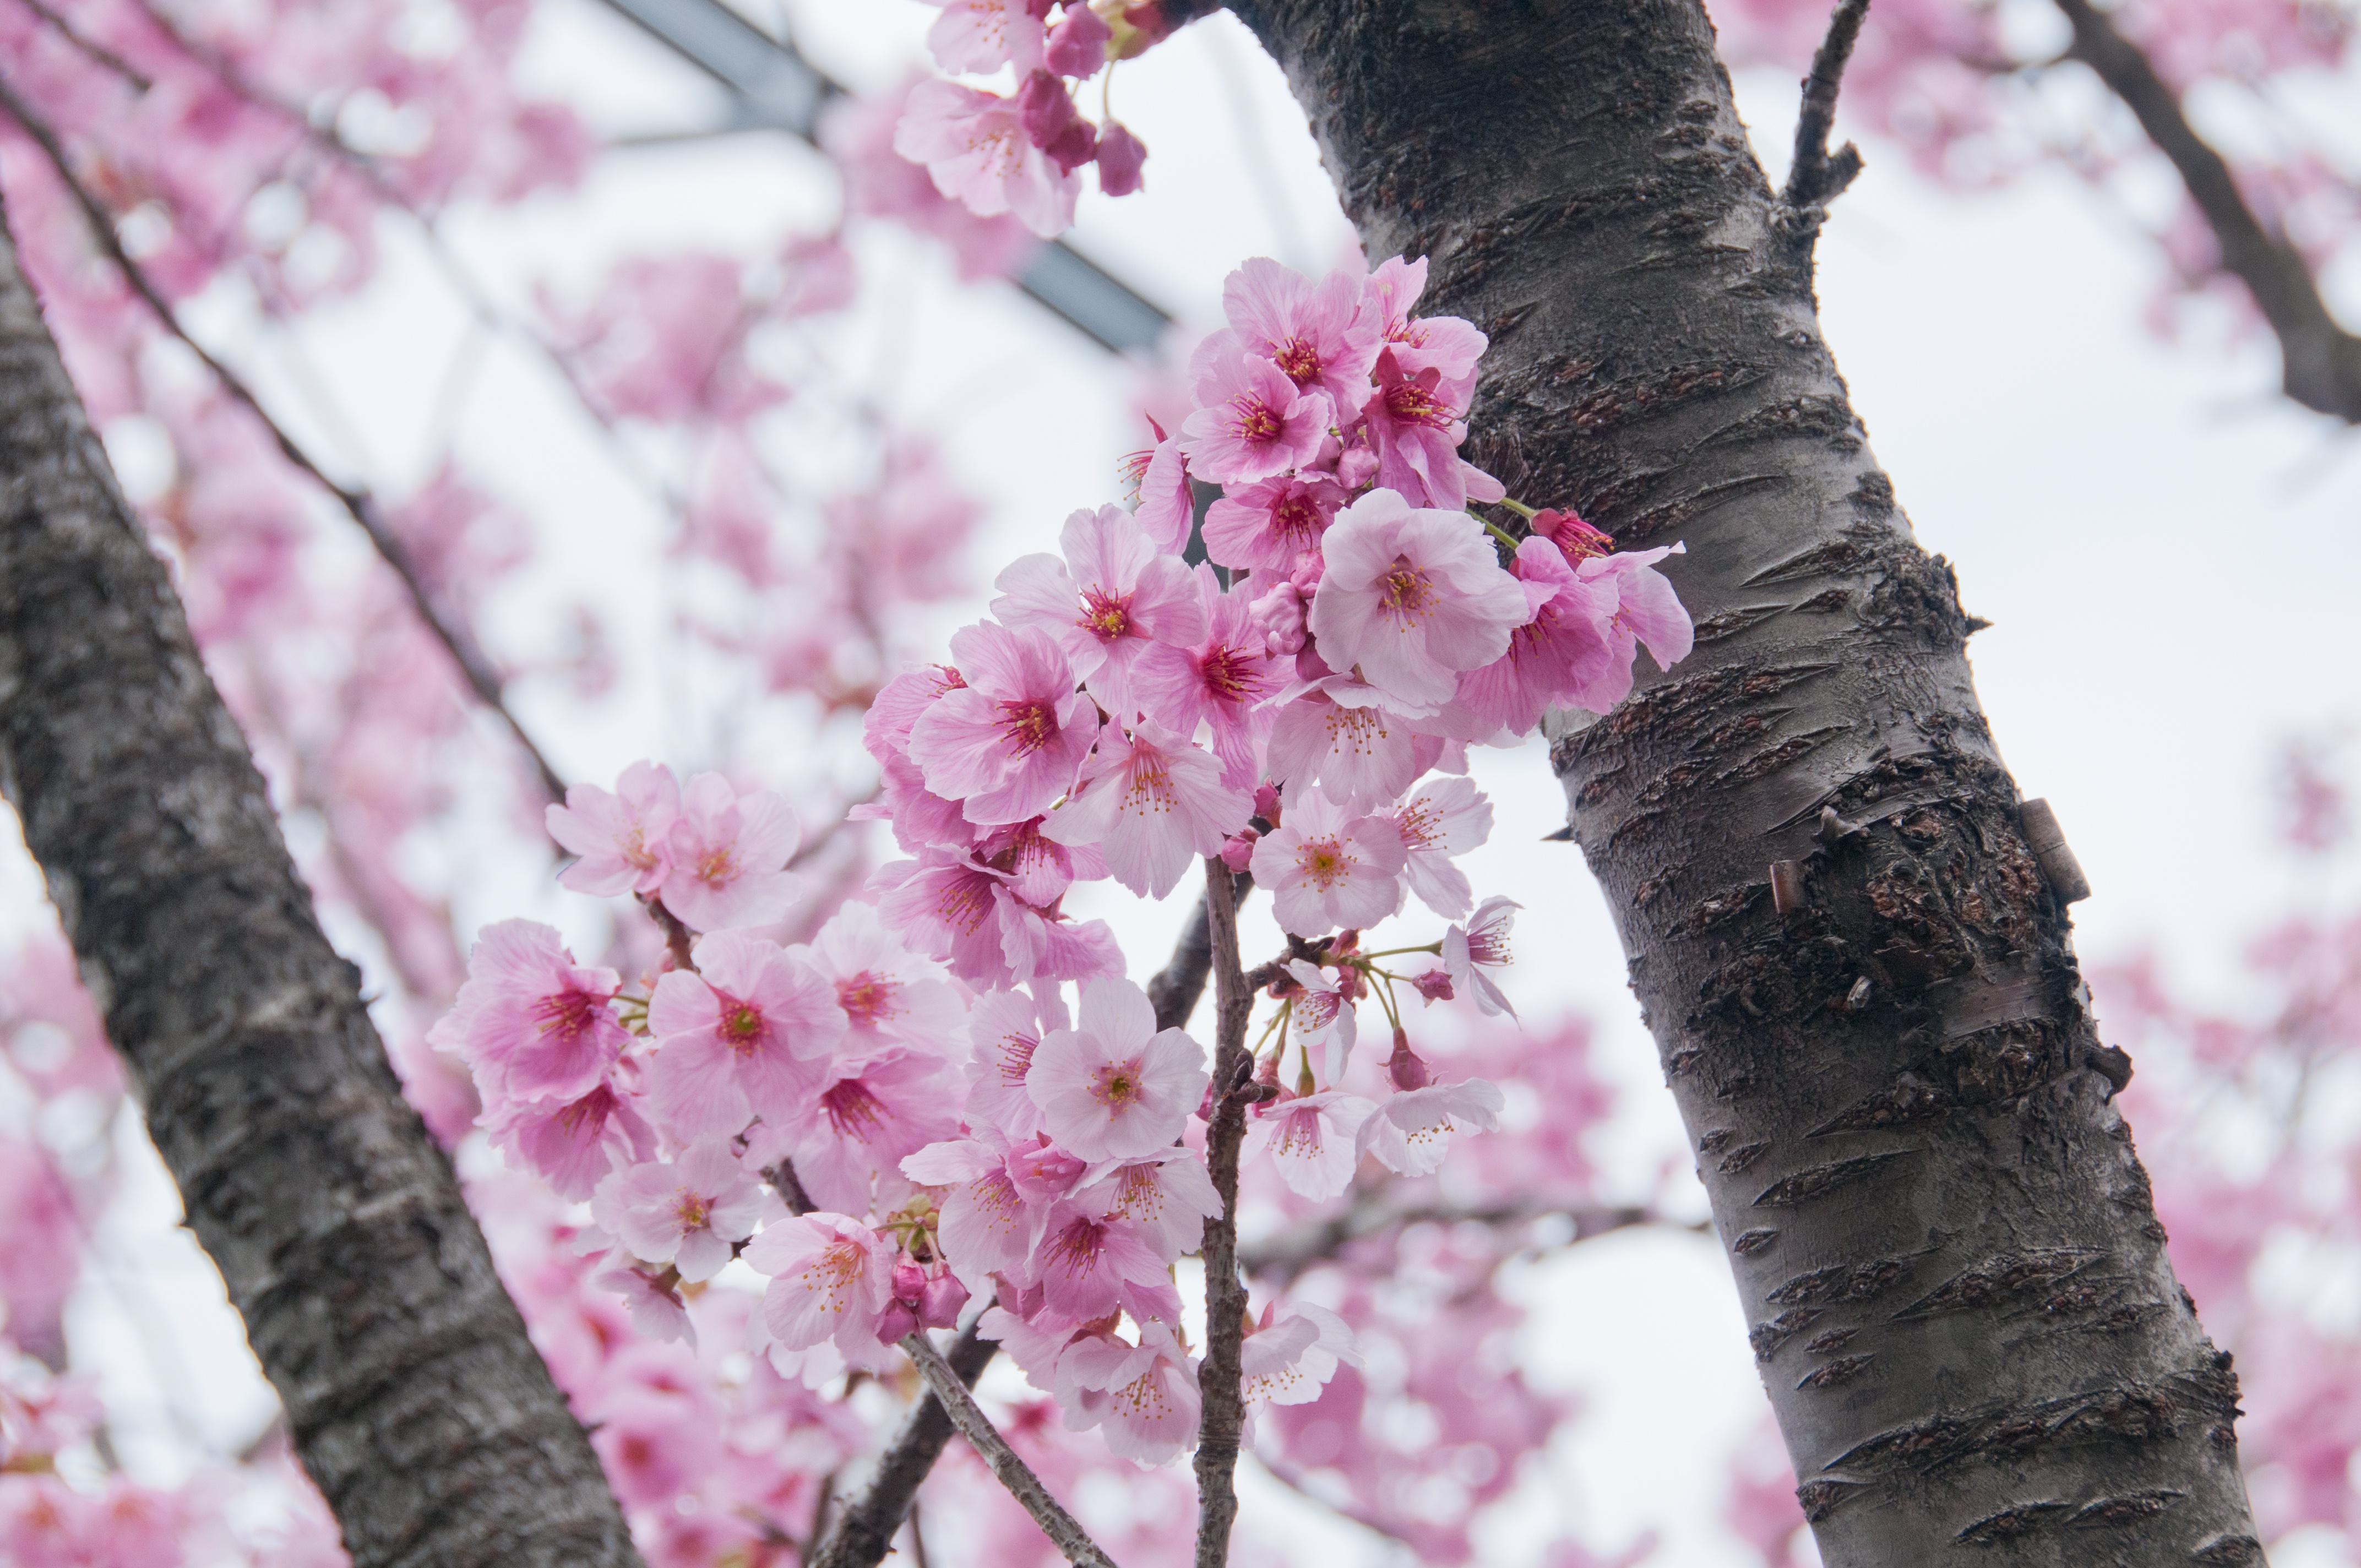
(896, 1321)
(1077, 43)
(1435, 984)
(909, 1281)
(1121, 154)
(941, 1304)
(1577, 538)
(1280, 613)
(1267, 803)
(1357, 466)
(1404, 1067)
(1050, 121)
(1238, 850)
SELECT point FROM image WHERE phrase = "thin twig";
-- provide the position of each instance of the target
(2321, 360)
(1815, 178)
(474, 667)
(1065, 1532)
(864, 1532)
(90, 48)
(1289, 1253)
(1225, 1296)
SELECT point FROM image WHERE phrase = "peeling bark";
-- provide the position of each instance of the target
(413, 1396)
(1967, 1324)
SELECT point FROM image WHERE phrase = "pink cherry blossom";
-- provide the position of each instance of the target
(889, 995)
(1154, 809)
(849, 1140)
(622, 838)
(1326, 870)
(885, 729)
(1004, 1031)
(1220, 683)
(1267, 524)
(1077, 43)
(574, 1143)
(1358, 756)
(1121, 157)
(1316, 333)
(1444, 818)
(974, 147)
(1647, 611)
(1565, 651)
(1046, 108)
(1414, 422)
(1481, 944)
(954, 908)
(1037, 869)
(1311, 1140)
(986, 1224)
(1167, 506)
(730, 855)
(982, 35)
(685, 1212)
(1166, 1194)
(1090, 1266)
(741, 1038)
(532, 1022)
(1111, 600)
(1410, 1131)
(831, 1280)
(1289, 1356)
(653, 1300)
(1320, 1015)
(1010, 742)
(857, 133)
(1251, 422)
(1413, 597)
(1445, 345)
(1114, 1087)
(1150, 1405)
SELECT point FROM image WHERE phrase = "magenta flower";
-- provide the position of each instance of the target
(730, 855)
(1266, 525)
(1321, 1016)
(1481, 944)
(1445, 345)
(1114, 1087)
(1004, 1031)
(1288, 1357)
(849, 1138)
(738, 1038)
(685, 1213)
(1411, 597)
(1310, 1139)
(890, 996)
(1446, 816)
(979, 37)
(1414, 424)
(1010, 742)
(831, 1280)
(1047, 110)
(1647, 611)
(1110, 602)
(1220, 683)
(1166, 1194)
(951, 907)
(1089, 1266)
(975, 150)
(1147, 1406)
(1251, 422)
(1317, 334)
(1326, 870)
(573, 1143)
(1562, 654)
(1153, 808)
(621, 838)
(1077, 43)
(532, 1022)
(1411, 1132)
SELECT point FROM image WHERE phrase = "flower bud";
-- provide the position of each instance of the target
(1404, 1067)
(941, 1302)
(1435, 984)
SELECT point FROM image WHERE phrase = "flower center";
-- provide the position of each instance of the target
(1300, 359)
(1016, 1057)
(1255, 420)
(1105, 616)
(868, 999)
(1116, 1085)
(1324, 861)
(718, 866)
(690, 1210)
(852, 1110)
(1227, 674)
(1296, 521)
(1405, 593)
(1029, 724)
(964, 904)
(742, 1025)
(1410, 403)
(567, 1013)
(1075, 1249)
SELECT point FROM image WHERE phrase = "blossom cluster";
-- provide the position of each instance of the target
(1022, 154)
(955, 1093)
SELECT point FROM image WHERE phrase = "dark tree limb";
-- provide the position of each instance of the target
(1177, 986)
(412, 1394)
(1969, 1328)
(1220, 1427)
(1815, 178)
(2321, 360)
(863, 1533)
(473, 666)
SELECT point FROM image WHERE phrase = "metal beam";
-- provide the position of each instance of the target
(772, 87)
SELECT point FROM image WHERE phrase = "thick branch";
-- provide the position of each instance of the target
(1225, 1296)
(2321, 361)
(412, 1394)
(864, 1533)
(1815, 178)
(474, 667)
(1064, 1531)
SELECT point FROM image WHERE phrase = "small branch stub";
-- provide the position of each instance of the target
(2048, 842)
(1787, 886)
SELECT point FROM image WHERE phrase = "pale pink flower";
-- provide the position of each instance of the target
(1317, 333)
(1220, 683)
(1090, 1266)
(730, 855)
(975, 150)
(885, 728)
(890, 995)
(1647, 610)
(1114, 1087)
(1311, 1140)
(1564, 653)
(831, 1280)
(1410, 1131)
(1266, 526)
(1010, 742)
(1167, 508)
(1358, 756)
(921, 819)
(1414, 424)
(849, 1140)
(653, 1301)
(685, 1213)
(1004, 1028)
(1289, 1358)
(621, 838)
(1148, 1406)
(1251, 421)
(532, 1022)
(950, 907)
(985, 1224)
(574, 1143)
(1077, 43)
(1166, 1194)
(1111, 599)
(1413, 597)
(740, 1037)
(1446, 816)
(1043, 1171)
(979, 37)
(1321, 1016)
(1326, 870)
(1445, 345)
(858, 133)
(1481, 944)
(1038, 868)
(1153, 808)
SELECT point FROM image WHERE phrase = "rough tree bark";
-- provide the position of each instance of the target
(412, 1394)
(1967, 1324)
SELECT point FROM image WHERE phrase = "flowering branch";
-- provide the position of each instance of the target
(474, 667)
(1065, 1532)
(1225, 1296)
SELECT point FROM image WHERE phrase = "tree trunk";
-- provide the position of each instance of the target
(413, 1396)
(1965, 1314)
